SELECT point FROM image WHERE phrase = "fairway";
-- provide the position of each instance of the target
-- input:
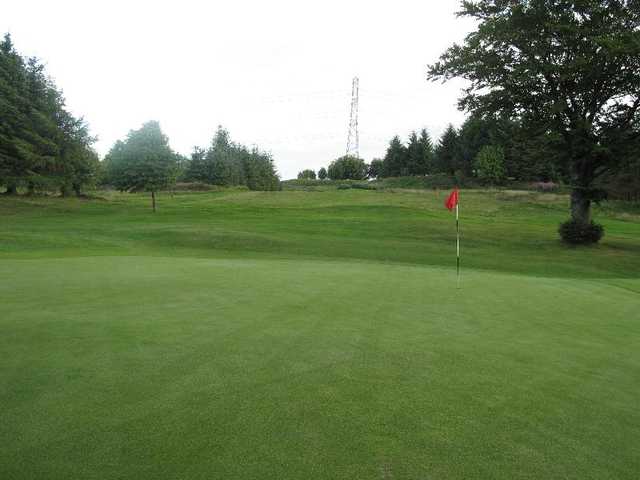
(318, 334)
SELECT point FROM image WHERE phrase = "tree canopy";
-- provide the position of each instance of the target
(42, 145)
(347, 167)
(567, 70)
(307, 174)
(144, 161)
(227, 163)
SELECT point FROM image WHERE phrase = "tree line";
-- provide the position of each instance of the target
(229, 163)
(42, 145)
(144, 161)
(488, 149)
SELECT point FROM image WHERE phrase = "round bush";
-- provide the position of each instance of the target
(577, 233)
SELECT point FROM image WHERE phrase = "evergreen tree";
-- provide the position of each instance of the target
(41, 143)
(260, 172)
(306, 175)
(415, 157)
(226, 163)
(448, 152)
(427, 152)
(23, 149)
(419, 153)
(395, 160)
(197, 167)
(322, 173)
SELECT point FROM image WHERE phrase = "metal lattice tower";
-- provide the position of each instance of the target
(353, 139)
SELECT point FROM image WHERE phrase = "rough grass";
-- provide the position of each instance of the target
(316, 335)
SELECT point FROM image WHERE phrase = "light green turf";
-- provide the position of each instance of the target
(316, 335)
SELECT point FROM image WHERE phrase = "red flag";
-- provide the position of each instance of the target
(452, 200)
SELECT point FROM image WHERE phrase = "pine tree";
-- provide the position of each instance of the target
(448, 152)
(41, 143)
(427, 152)
(395, 160)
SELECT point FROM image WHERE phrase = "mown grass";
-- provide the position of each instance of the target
(316, 335)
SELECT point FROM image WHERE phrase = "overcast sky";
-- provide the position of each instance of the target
(274, 73)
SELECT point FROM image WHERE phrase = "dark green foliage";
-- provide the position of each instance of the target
(419, 154)
(489, 165)
(259, 170)
(42, 146)
(624, 184)
(434, 181)
(570, 70)
(376, 167)
(347, 168)
(477, 132)
(226, 163)
(395, 160)
(322, 173)
(307, 174)
(580, 233)
(448, 157)
(427, 158)
(417, 158)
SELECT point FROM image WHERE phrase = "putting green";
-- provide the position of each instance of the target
(158, 367)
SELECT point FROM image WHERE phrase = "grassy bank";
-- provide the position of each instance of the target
(316, 335)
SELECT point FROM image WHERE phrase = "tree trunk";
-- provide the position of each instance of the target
(12, 189)
(153, 200)
(580, 207)
(64, 191)
(77, 189)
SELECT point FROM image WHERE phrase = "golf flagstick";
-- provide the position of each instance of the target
(451, 203)
(457, 246)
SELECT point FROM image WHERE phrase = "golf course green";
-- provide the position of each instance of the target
(316, 335)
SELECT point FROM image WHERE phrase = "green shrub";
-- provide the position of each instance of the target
(363, 186)
(489, 165)
(347, 168)
(438, 180)
(577, 233)
(193, 187)
(307, 174)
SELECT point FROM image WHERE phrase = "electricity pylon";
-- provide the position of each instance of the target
(353, 139)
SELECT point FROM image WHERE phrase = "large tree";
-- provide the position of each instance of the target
(447, 154)
(427, 150)
(568, 69)
(347, 167)
(42, 145)
(142, 162)
(416, 156)
(28, 108)
(395, 160)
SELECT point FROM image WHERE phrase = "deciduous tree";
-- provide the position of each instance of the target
(142, 162)
(566, 68)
